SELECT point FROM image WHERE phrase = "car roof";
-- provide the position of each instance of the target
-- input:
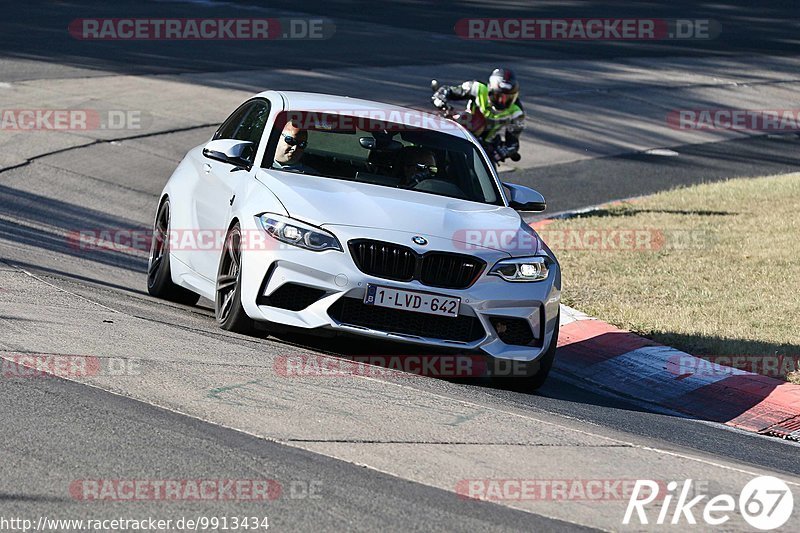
(329, 103)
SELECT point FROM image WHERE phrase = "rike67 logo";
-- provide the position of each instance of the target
(765, 503)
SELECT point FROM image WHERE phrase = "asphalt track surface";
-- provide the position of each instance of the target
(365, 500)
(34, 31)
(576, 185)
(56, 431)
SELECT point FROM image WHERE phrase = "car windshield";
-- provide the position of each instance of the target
(382, 153)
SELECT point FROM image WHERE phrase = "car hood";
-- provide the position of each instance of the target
(334, 202)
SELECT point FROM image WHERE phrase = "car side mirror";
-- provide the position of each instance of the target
(231, 151)
(524, 198)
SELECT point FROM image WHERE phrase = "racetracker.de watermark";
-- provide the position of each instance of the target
(772, 365)
(586, 239)
(17, 120)
(535, 489)
(201, 29)
(38, 365)
(137, 240)
(119, 490)
(774, 120)
(586, 29)
(373, 120)
(389, 366)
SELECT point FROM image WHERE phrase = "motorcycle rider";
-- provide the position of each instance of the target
(497, 102)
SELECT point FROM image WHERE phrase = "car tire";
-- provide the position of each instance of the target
(537, 373)
(228, 309)
(159, 276)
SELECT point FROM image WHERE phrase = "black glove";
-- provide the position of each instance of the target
(504, 151)
(501, 152)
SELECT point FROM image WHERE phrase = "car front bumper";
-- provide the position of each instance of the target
(488, 302)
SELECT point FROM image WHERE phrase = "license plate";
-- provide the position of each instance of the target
(419, 302)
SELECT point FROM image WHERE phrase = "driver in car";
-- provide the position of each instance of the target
(289, 152)
(417, 164)
(419, 172)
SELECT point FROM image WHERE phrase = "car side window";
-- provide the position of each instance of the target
(252, 125)
(231, 124)
(246, 123)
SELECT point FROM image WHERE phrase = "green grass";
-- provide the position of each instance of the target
(721, 276)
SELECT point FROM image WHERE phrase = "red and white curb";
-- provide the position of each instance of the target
(629, 365)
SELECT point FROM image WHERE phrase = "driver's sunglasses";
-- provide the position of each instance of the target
(291, 141)
(423, 167)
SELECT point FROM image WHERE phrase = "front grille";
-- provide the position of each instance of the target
(355, 312)
(401, 263)
(292, 297)
(515, 331)
(384, 260)
(450, 271)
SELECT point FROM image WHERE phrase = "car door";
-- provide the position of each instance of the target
(218, 182)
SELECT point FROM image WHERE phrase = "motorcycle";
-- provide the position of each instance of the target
(475, 122)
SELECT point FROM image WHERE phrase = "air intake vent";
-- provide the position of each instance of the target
(514, 331)
(292, 297)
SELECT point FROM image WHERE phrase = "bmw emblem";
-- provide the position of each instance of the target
(422, 241)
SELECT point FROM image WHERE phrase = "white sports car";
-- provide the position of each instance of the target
(326, 212)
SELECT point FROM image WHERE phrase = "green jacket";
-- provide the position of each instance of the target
(512, 119)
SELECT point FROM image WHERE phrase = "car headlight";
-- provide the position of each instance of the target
(298, 233)
(522, 269)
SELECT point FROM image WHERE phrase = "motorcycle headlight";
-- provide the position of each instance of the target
(522, 269)
(298, 233)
